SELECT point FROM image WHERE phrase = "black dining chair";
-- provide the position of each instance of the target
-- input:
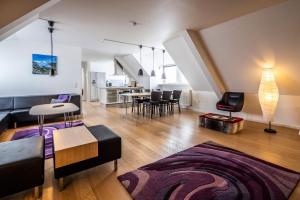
(135, 100)
(153, 103)
(138, 101)
(175, 100)
(165, 101)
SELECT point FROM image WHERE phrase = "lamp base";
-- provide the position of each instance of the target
(269, 130)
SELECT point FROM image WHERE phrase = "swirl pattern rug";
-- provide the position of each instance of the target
(47, 133)
(210, 171)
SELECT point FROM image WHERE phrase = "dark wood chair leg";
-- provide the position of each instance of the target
(160, 110)
(152, 110)
(179, 107)
(132, 105)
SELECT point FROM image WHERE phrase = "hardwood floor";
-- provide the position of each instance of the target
(146, 140)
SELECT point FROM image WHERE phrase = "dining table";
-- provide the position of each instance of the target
(126, 97)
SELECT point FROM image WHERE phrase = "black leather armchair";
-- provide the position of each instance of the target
(232, 102)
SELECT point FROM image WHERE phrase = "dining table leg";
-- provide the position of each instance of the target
(125, 103)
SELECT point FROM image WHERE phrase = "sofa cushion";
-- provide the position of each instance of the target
(21, 164)
(6, 103)
(29, 101)
(3, 115)
(22, 115)
(76, 99)
(18, 111)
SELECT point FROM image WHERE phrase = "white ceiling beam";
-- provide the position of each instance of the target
(204, 61)
(23, 21)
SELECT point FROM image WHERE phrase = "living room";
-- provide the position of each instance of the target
(149, 99)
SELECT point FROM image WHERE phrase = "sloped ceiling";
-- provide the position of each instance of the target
(242, 46)
(186, 62)
(11, 10)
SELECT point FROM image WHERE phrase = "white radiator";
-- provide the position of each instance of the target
(186, 98)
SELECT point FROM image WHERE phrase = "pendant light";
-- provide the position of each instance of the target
(140, 72)
(51, 29)
(153, 72)
(163, 76)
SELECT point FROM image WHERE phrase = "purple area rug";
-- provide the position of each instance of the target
(48, 134)
(210, 171)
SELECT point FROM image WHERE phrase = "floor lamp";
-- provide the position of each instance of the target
(268, 97)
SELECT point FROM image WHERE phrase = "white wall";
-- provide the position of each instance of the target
(16, 76)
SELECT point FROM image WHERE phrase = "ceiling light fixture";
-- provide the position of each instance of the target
(153, 72)
(140, 72)
(51, 29)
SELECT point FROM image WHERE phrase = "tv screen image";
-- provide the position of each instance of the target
(41, 64)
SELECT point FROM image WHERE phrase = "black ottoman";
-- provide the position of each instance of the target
(109, 149)
(21, 165)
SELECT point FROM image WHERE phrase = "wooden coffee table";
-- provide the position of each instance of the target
(72, 145)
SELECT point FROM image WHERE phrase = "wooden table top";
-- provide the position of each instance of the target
(72, 137)
(142, 94)
(72, 145)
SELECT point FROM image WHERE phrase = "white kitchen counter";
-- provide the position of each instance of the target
(111, 95)
(121, 88)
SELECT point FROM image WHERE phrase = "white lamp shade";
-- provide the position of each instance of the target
(268, 94)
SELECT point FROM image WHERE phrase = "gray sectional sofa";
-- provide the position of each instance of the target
(15, 110)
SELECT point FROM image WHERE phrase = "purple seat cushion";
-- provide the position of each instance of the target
(64, 98)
